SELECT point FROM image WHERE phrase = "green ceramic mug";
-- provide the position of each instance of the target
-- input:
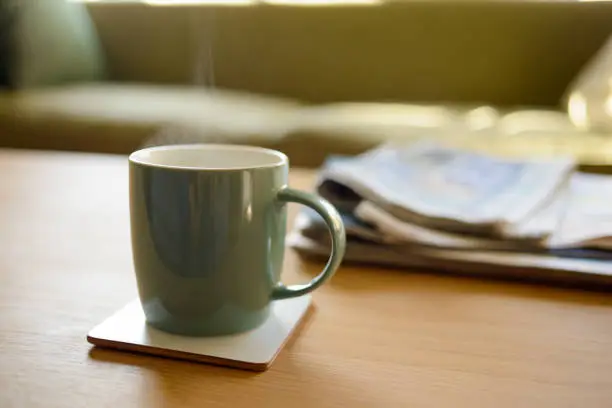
(208, 229)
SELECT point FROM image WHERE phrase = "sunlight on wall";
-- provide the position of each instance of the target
(192, 2)
(577, 110)
(322, 2)
(608, 102)
(240, 2)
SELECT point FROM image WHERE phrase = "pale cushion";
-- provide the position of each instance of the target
(119, 117)
(371, 123)
(382, 121)
(352, 128)
(56, 42)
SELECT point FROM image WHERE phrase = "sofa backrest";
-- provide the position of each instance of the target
(501, 52)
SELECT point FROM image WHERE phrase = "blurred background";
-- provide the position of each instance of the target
(308, 77)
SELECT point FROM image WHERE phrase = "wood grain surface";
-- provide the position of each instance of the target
(377, 338)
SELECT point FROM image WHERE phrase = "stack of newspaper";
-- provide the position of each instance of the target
(428, 205)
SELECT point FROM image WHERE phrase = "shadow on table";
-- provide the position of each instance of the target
(361, 279)
(153, 363)
(172, 382)
(149, 361)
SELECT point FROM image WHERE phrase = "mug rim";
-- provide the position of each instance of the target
(283, 160)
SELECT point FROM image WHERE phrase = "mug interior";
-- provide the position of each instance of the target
(209, 157)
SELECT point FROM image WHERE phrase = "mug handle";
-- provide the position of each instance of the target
(338, 241)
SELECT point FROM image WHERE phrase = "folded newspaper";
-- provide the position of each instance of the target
(431, 202)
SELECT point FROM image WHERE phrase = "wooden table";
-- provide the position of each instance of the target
(377, 338)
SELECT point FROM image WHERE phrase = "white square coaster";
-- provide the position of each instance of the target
(254, 350)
